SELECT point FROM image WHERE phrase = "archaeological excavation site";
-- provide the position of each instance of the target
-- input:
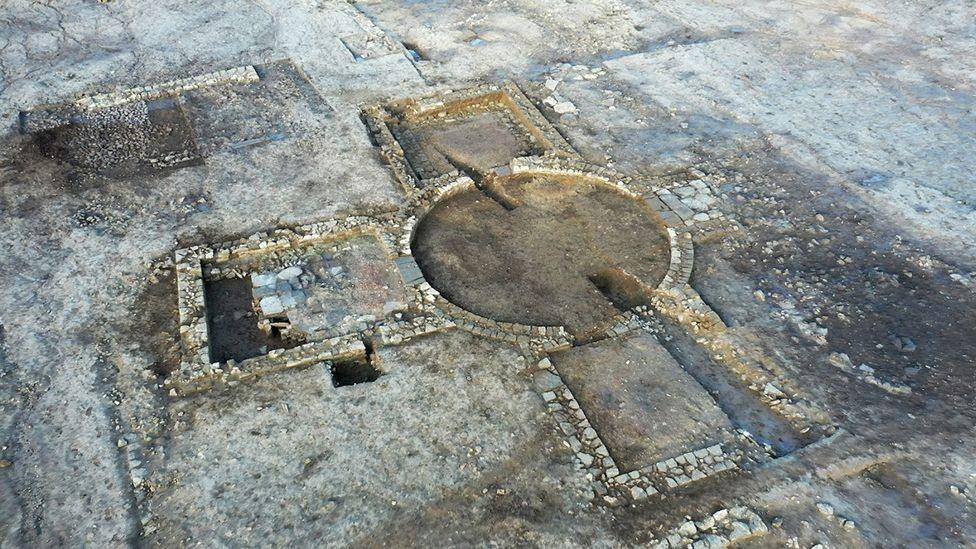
(516, 273)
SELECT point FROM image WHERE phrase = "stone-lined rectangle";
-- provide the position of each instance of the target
(49, 117)
(287, 282)
(473, 129)
(640, 400)
(198, 264)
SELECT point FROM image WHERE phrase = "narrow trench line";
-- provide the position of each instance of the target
(622, 289)
(737, 401)
(625, 291)
(485, 182)
(489, 187)
(345, 45)
(612, 283)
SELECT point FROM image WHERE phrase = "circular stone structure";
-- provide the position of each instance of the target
(543, 249)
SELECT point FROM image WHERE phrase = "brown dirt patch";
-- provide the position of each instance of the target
(535, 264)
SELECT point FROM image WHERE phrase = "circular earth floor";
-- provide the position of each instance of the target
(566, 253)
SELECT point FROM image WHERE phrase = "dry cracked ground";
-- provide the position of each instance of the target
(823, 153)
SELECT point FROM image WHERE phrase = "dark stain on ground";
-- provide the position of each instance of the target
(903, 498)
(810, 248)
(533, 264)
(354, 372)
(154, 323)
(233, 324)
(622, 289)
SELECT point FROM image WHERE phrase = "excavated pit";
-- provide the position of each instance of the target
(140, 137)
(232, 323)
(483, 131)
(557, 258)
(484, 138)
(354, 372)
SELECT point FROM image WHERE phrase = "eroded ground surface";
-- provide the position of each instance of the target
(821, 155)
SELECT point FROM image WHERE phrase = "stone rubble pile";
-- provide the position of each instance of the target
(276, 293)
(236, 75)
(716, 531)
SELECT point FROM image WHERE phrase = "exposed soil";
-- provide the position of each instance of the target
(644, 405)
(126, 140)
(534, 264)
(234, 332)
(481, 138)
(156, 324)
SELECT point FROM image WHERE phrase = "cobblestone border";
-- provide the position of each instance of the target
(692, 200)
(237, 75)
(593, 457)
(431, 312)
(47, 117)
(440, 314)
(676, 472)
(555, 337)
(378, 119)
